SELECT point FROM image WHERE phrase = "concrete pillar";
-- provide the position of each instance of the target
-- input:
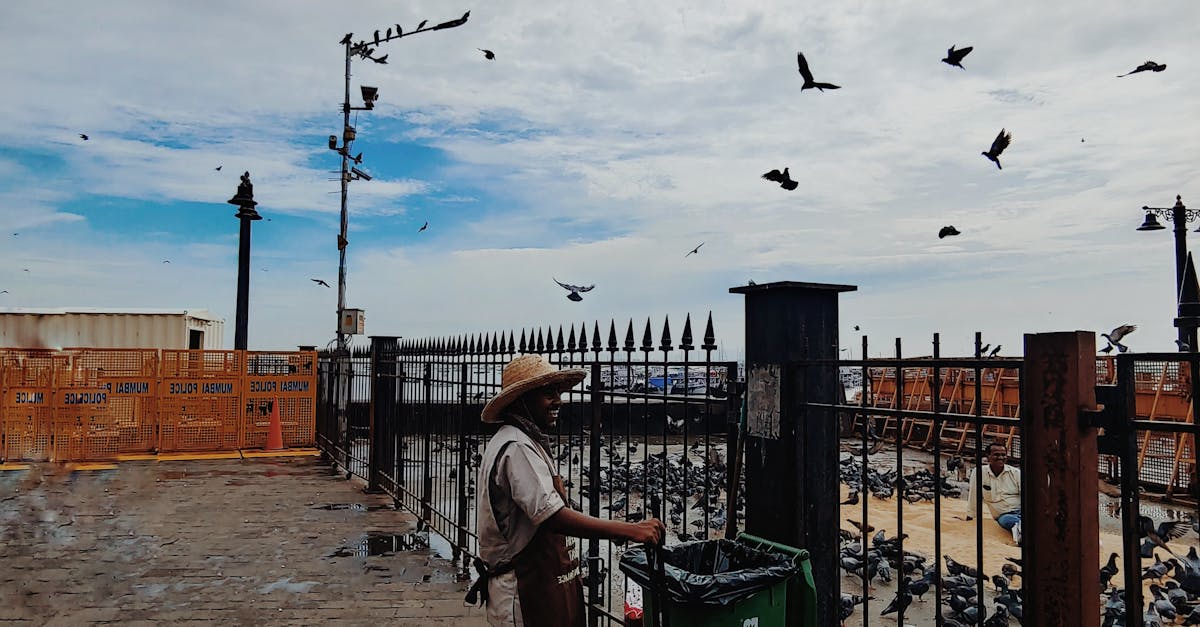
(791, 454)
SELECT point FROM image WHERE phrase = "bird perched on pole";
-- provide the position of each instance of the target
(998, 145)
(955, 57)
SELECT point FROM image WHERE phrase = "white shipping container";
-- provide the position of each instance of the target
(92, 327)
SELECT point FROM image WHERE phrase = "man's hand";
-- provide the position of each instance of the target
(649, 531)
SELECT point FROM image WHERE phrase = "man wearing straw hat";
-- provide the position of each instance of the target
(527, 575)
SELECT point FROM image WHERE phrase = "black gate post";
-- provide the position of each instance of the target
(425, 433)
(792, 451)
(1060, 509)
(595, 431)
(383, 406)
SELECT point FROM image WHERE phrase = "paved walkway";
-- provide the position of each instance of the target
(228, 541)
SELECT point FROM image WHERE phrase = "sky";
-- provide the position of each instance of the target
(604, 142)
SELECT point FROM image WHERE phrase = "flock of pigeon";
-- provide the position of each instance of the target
(1174, 595)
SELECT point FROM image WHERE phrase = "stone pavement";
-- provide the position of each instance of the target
(228, 541)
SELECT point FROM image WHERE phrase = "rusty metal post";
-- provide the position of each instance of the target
(1060, 512)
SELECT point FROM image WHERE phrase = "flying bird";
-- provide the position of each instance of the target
(218, 168)
(166, 261)
(856, 327)
(3, 291)
(1115, 336)
(345, 40)
(783, 178)
(357, 159)
(809, 83)
(574, 289)
(948, 231)
(694, 250)
(319, 282)
(83, 136)
(423, 226)
(998, 145)
(1147, 66)
(955, 57)
(487, 54)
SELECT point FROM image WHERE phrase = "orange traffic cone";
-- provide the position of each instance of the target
(275, 431)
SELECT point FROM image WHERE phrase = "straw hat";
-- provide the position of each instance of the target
(525, 373)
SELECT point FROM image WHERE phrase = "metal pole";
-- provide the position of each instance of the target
(244, 199)
(1179, 218)
(342, 240)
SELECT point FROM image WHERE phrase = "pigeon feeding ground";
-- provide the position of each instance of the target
(958, 537)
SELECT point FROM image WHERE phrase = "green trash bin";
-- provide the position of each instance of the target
(772, 601)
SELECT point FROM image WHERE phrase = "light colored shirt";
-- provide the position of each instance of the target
(1001, 493)
(508, 519)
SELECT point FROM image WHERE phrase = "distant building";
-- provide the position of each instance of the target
(94, 327)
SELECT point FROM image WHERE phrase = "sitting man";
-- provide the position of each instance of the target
(1001, 491)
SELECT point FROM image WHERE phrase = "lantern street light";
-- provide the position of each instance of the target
(1179, 215)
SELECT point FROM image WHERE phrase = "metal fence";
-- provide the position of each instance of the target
(646, 434)
(102, 404)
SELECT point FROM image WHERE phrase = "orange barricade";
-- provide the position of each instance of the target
(95, 404)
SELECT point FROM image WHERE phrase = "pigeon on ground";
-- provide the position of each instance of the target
(423, 226)
(694, 250)
(955, 57)
(809, 83)
(487, 54)
(948, 231)
(319, 282)
(783, 178)
(1147, 66)
(1115, 336)
(83, 136)
(574, 290)
(998, 145)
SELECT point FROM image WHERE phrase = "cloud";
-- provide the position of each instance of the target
(602, 143)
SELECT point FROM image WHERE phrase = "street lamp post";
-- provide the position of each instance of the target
(244, 199)
(364, 49)
(1179, 215)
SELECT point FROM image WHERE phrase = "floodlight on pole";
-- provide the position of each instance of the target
(364, 50)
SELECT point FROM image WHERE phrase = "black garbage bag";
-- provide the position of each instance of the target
(711, 572)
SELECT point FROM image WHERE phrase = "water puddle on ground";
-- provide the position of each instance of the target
(352, 507)
(383, 544)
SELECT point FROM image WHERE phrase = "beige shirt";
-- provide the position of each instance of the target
(507, 520)
(1001, 493)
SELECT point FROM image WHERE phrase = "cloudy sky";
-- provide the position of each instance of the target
(604, 142)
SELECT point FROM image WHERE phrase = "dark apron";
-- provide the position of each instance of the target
(545, 602)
